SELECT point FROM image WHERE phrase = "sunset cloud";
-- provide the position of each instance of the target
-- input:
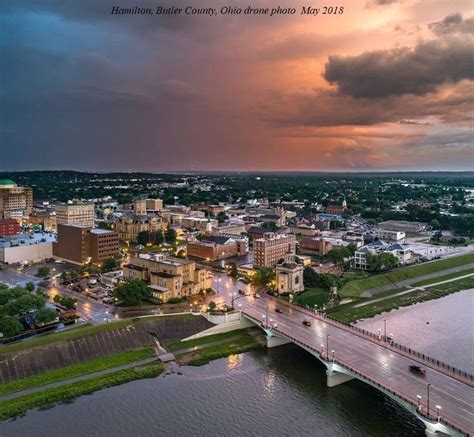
(375, 88)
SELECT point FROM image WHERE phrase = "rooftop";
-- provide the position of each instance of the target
(26, 239)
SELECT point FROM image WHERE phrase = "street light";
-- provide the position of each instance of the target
(438, 407)
(333, 353)
(327, 347)
(428, 399)
(419, 402)
(385, 329)
(322, 350)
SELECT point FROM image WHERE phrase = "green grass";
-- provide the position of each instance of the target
(179, 345)
(443, 278)
(204, 356)
(91, 366)
(15, 407)
(73, 333)
(312, 296)
(357, 287)
(348, 313)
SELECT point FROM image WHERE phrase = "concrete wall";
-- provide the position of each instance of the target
(30, 253)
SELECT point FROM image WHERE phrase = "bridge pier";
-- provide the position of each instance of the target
(335, 378)
(274, 341)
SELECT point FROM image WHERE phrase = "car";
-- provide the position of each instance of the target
(417, 370)
(306, 323)
(278, 310)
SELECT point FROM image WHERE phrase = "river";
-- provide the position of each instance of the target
(280, 392)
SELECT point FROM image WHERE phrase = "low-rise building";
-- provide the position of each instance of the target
(304, 229)
(9, 227)
(270, 249)
(168, 277)
(314, 246)
(404, 226)
(387, 234)
(26, 248)
(402, 252)
(215, 247)
(289, 278)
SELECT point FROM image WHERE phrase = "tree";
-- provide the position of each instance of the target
(109, 264)
(171, 236)
(10, 326)
(212, 305)
(67, 302)
(383, 261)
(133, 292)
(221, 217)
(181, 254)
(44, 315)
(329, 280)
(30, 286)
(143, 238)
(338, 255)
(435, 224)
(264, 275)
(43, 272)
(233, 272)
(270, 225)
(310, 277)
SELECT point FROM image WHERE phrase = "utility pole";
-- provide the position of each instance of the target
(428, 400)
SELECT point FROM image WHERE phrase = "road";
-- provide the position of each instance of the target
(374, 359)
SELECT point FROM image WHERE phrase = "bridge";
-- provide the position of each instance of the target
(442, 399)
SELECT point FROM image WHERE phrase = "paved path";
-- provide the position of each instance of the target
(411, 281)
(370, 302)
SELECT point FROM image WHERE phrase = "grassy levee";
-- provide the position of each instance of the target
(312, 296)
(95, 365)
(348, 313)
(15, 407)
(356, 287)
(73, 333)
(233, 342)
(204, 356)
(451, 276)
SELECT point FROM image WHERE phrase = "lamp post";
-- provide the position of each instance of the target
(419, 402)
(428, 400)
(333, 355)
(438, 408)
(240, 312)
(385, 330)
(327, 347)
(322, 350)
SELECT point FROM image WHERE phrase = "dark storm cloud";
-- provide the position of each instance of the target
(396, 72)
(454, 23)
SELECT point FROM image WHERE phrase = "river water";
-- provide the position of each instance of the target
(280, 392)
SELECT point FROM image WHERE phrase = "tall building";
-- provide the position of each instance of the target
(153, 205)
(272, 248)
(82, 244)
(15, 202)
(168, 277)
(76, 213)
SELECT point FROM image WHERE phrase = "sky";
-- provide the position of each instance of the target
(387, 85)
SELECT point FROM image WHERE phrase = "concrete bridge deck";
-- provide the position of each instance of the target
(348, 354)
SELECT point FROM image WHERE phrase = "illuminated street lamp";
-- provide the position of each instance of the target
(327, 347)
(419, 402)
(333, 354)
(385, 329)
(438, 408)
(322, 350)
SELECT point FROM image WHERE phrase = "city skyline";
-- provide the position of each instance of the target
(386, 86)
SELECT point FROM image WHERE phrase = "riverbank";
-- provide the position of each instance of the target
(400, 297)
(67, 383)
(20, 405)
(406, 276)
(219, 346)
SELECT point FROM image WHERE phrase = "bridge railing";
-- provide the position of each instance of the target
(447, 367)
(372, 381)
